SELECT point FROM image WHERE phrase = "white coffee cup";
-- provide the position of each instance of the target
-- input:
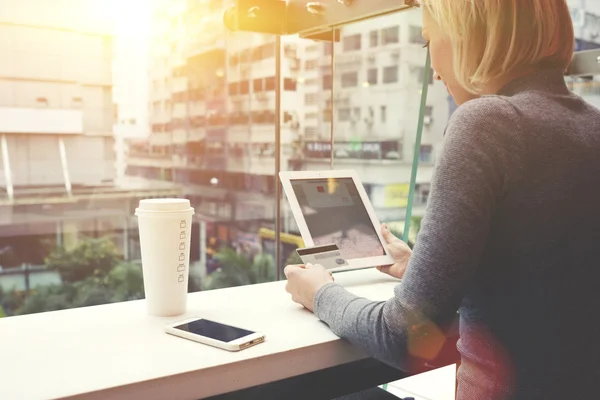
(165, 228)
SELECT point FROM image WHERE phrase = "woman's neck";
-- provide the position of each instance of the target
(495, 85)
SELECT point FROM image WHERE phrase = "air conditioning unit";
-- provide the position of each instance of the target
(427, 120)
(371, 59)
(262, 96)
(395, 54)
(369, 121)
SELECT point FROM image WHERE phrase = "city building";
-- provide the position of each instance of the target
(212, 115)
(379, 69)
(130, 78)
(57, 157)
(212, 106)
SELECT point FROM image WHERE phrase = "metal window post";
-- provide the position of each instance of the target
(278, 261)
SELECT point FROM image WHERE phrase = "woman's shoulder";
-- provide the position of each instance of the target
(484, 113)
(487, 121)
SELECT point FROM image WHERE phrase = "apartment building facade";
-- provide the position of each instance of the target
(212, 114)
(57, 156)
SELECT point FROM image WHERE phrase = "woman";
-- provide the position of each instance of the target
(511, 237)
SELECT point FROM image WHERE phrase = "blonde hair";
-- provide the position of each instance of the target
(493, 37)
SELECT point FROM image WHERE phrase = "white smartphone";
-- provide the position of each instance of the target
(215, 334)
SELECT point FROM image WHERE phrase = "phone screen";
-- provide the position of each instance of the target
(214, 330)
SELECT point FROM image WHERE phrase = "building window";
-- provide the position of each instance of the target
(349, 79)
(270, 83)
(428, 111)
(426, 153)
(312, 115)
(374, 38)
(415, 36)
(289, 84)
(327, 49)
(352, 42)
(372, 76)
(258, 85)
(344, 114)
(327, 82)
(311, 65)
(383, 114)
(233, 88)
(390, 35)
(390, 74)
(244, 87)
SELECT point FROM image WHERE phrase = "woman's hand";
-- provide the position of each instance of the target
(399, 251)
(304, 281)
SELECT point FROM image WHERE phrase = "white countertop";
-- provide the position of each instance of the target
(118, 351)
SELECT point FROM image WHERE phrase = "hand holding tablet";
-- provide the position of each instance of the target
(332, 207)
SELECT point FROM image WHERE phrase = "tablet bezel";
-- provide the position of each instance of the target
(287, 177)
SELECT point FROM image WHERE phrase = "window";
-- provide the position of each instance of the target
(244, 87)
(289, 84)
(374, 38)
(390, 74)
(270, 84)
(390, 35)
(428, 111)
(258, 85)
(327, 82)
(349, 79)
(352, 43)
(344, 114)
(372, 76)
(198, 91)
(415, 36)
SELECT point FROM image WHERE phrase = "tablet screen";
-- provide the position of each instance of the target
(335, 213)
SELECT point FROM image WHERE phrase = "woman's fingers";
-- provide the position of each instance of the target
(388, 236)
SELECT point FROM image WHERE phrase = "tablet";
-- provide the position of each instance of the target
(332, 207)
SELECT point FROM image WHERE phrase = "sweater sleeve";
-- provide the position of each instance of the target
(480, 153)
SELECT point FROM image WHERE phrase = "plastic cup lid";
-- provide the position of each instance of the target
(164, 205)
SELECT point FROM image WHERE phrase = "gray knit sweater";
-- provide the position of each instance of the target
(510, 239)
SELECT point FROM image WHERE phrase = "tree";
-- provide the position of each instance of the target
(89, 258)
(11, 301)
(123, 283)
(2, 314)
(238, 270)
